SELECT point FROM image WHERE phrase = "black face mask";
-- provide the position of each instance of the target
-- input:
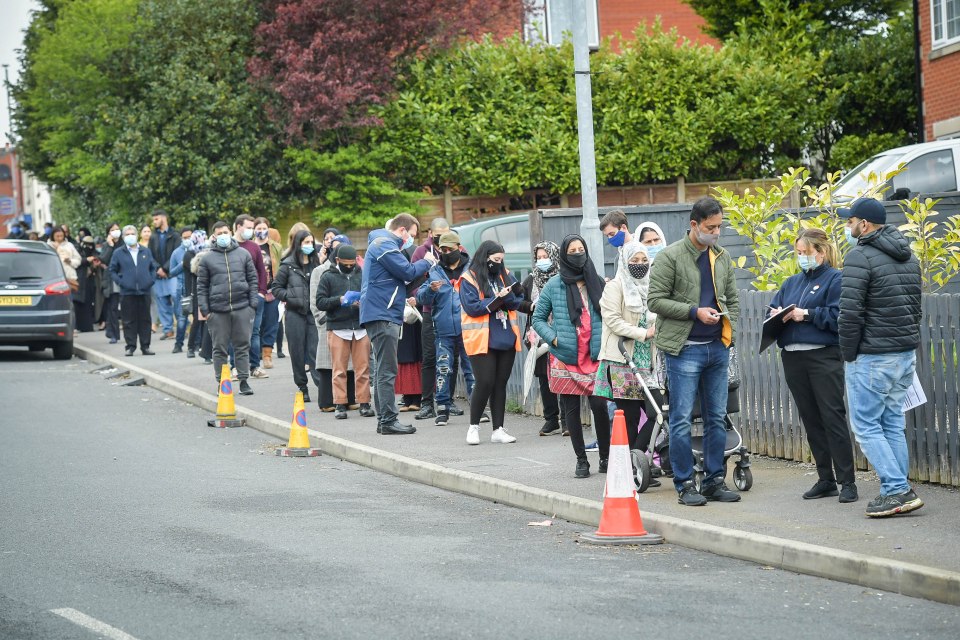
(450, 259)
(638, 271)
(436, 241)
(577, 260)
(346, 268)
(494, 268)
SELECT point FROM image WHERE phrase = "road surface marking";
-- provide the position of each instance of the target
(542, 464)
(85, 621)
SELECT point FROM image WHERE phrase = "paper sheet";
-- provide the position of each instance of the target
(915, 395)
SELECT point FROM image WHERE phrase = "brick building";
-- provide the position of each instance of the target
(939, 31)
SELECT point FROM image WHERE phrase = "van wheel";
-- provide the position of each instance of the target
(63, 350)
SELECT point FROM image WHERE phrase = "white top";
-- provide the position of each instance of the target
(350, 334)
(134, 250)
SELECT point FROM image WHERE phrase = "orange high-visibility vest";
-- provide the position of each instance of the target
(476, 330)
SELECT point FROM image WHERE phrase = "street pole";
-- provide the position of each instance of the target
(14, 164)
(574, 14)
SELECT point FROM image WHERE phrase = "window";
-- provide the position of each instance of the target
(514, 236)
(547, 20)
(930, 173)
(945, 20)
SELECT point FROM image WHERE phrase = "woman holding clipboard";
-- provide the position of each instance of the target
(812, 364)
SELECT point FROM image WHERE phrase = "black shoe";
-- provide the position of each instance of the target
(455, 410)
(718, 492)
(848, 493)
(365, 410)
(129, 351)
(147, 352)
(549, 427)
(823, 489)
(207, 361)
(280, 354)
(177, 348)
(113, 341)
(485, 417)
(689, 496)
(341, 412)
(426, 412)
(443, 417)
(306, 395)
(602, 467)
(884, 506)
(396, 428)
(245, 389)
(191, 353)
(583, 469)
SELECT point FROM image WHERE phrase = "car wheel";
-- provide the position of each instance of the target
(63, 350)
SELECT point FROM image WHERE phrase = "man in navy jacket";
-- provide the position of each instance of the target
(134, 270)
(386, 272)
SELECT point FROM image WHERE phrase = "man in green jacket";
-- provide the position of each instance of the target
(694, 294)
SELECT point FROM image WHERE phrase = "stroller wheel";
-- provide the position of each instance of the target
(642, 472)
(742, 478)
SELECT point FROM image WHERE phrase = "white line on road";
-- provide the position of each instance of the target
(542, 464)
(85, 621)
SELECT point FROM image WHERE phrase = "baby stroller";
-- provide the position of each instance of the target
(645, 467)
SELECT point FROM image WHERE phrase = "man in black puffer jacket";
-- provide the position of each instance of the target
(227, 299)
(879, 335)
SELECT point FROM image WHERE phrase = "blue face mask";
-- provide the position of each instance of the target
(653, 250)
(408, 243)
(186, 243)
(15, 229)
(223, 240)
(130, 240)
(544, 264)
(852, 241)
(619, 239)
(807, 263)
(306, 249)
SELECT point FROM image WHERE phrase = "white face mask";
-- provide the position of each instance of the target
(130, 240)
(246, 234)
(115, 234)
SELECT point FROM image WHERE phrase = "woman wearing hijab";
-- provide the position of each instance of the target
(625, 316)
(291, 285)
(573, 336)
(491, 335)
(545, 266)
(650, 235)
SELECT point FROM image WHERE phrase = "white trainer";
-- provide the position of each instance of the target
(473, 434)
(500, 436)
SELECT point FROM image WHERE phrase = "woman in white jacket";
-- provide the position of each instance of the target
(625, 315)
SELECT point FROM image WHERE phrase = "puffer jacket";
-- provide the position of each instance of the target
(226, 280)
(675, 293)
(291, 284)
(880, 296)
(444, 304)
(619, 322)
(553, 299)
(817, 291)
(333, 285)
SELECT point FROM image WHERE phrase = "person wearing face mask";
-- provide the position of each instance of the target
(16, 232)
(428, 338)
(693, 291)
(651, 236)
(489, 299)
(879, 330)
(440, 293)
(84, 299)
(176, 272)
(324, 357)
(134, 271)
(812, 364)
(191, 263)
(243, 233)
(227, 298)
(338, 293)
(292, 287)
(383, 295)
(162, 242)
(545, 266)
(573, 335)
(625, 315)
(271, 253)
(109, 289)
(615, 229)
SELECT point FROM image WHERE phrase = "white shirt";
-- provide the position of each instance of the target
(134, 250)
(350, 334)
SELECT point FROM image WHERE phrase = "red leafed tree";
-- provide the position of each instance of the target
(330, 60)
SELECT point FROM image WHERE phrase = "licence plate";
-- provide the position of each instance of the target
(16, 301)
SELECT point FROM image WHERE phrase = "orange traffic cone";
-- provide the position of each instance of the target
(299, 443)
(226, 411)
(620, 521)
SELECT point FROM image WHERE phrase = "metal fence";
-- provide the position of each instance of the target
(768, 418)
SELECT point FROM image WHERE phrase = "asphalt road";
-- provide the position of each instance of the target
(119, 507)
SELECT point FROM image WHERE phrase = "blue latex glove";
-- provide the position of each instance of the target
(350, 297)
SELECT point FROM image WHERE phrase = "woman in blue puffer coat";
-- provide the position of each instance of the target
(573, 335)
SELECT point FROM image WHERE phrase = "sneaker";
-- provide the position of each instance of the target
(341, 412)
(426, 412)
(485, 417)
(191, 353)
(454, 409)
(566, 432)
(365, 410)
(549, 427)
(823, 489)
(177, 349)
(443, 417)
(884, 506)
(207, 361)
(245, 389)
(718, 492)
(689, 496)
(258, 373)
(473, 434)
(592, 447)
(602, 467)
(848, 493)
(500, 436)
(233, 374)
(583, 469)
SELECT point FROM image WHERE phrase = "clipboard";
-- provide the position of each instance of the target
(772, 327)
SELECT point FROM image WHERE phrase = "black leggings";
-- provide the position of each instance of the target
(570, 408)
(491, 370)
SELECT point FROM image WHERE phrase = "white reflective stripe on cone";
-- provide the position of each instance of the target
(619, 473)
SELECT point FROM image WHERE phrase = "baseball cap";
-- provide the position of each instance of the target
(868, 209)
(450, 239)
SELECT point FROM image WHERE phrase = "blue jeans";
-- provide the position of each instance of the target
(270, 323)
(181, 320)
(164, 293)
(446, 347)
(876, 386)
(255, 337)
(699, 368)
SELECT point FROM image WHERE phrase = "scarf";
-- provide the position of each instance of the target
(634, 291)
(540, 278)
(571, 275)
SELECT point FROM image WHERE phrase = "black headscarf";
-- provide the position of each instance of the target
(571, 275)
(478, 266)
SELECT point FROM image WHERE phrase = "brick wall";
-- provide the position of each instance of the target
(941, 78)
(623, 15)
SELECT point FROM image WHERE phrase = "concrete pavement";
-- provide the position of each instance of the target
(771, 525)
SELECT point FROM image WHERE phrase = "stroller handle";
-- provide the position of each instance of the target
(621, 344)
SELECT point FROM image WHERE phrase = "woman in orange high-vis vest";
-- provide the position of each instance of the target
(491, 335)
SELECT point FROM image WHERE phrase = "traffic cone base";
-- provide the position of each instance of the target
(287, 452)
(620, 521)
(226, 409)
(298, 446)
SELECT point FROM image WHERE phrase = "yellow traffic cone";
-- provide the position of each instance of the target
(298, 445)
(226, 410)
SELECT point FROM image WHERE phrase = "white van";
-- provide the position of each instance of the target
(931, 167)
